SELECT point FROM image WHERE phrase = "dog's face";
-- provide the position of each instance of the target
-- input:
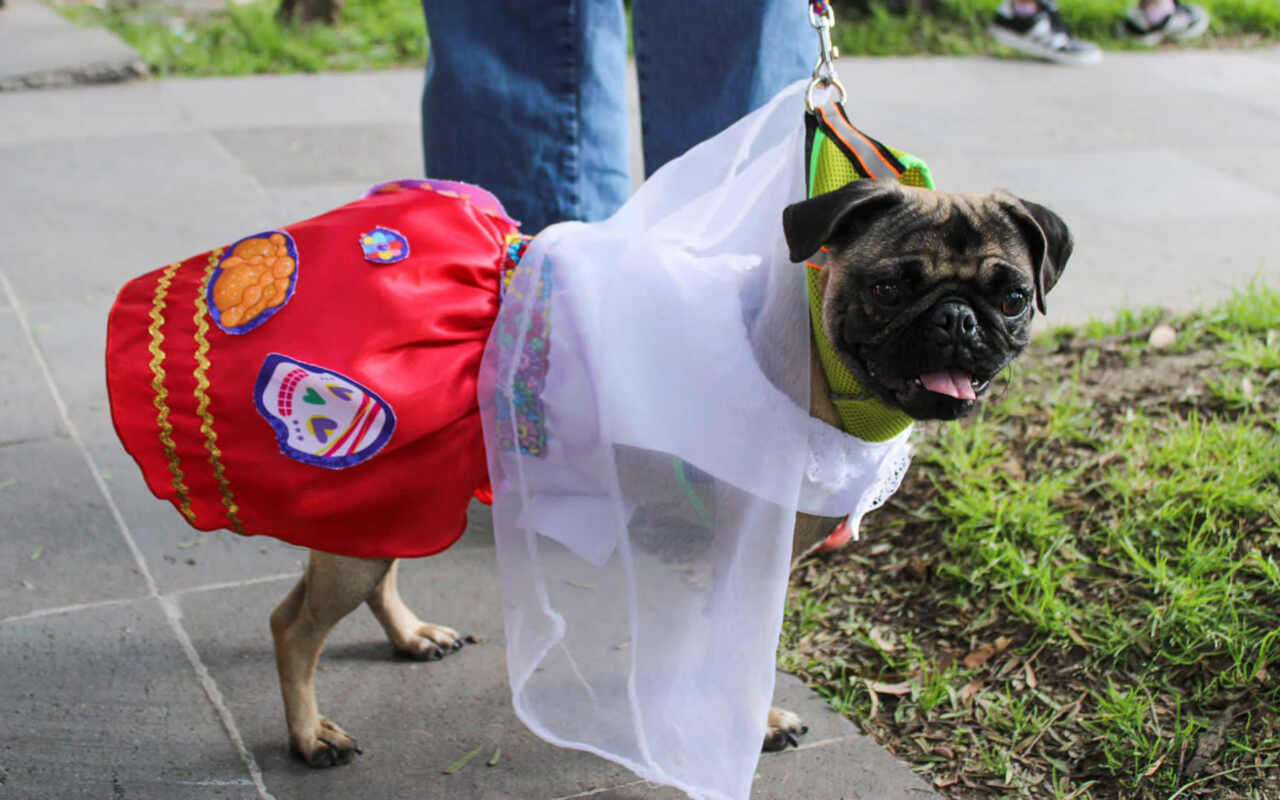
(928, 295)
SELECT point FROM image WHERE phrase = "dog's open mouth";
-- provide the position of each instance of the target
(953, 383)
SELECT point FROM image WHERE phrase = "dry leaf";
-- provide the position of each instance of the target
(979, 657)
(882, 641)
(970, 689)
(1002, 643)
(889, 688)
(1162, 336)
(1031, 675)
(944, 751)
(942, 783)
(1076, 637)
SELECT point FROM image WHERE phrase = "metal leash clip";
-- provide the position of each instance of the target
(823, 19)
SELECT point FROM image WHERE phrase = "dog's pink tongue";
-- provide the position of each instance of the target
(951, 382)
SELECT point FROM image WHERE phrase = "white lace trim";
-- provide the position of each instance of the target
(848, 476)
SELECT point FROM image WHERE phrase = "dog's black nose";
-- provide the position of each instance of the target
(957, 319)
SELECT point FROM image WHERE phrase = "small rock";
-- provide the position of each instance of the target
(1162, 336)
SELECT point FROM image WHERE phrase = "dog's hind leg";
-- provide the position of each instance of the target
(332, 587)
(409, 635)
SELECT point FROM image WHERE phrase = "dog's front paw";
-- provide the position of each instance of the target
(784, 730)
(326, 746)
(430, 642)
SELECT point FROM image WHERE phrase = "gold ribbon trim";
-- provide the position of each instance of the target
(202, 395)
(162, 394)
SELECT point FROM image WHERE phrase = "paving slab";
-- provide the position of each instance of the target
(89, 112)
(59, 545)
(40, 49)
(1188, 263)
(79, 218)
(299, 156)
(26, 410)
(415, 719)
(412, 719)
(275, 101)
(102, 704)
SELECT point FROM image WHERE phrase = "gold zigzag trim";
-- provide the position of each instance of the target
(162, 394)
(202, 396)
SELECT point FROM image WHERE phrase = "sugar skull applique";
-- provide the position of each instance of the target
(254, 279)
(320, 417)
(384, 246)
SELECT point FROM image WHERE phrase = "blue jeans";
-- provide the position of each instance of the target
(528, 99)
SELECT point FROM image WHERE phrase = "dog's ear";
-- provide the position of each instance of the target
(1047, 237)
(811, 223)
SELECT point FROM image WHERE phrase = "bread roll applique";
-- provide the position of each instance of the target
(255, 278)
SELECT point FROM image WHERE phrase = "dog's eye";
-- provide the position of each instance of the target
(888, 293)
(1015, 300)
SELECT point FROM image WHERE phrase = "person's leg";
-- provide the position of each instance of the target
(703, 64)
(528, 100)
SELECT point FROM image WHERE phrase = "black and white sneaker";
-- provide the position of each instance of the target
(1042, 34)
(1186, 22)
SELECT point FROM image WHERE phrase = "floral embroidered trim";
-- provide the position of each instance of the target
(514, 247)
(525, 403)
(202, 396)
(162, 394)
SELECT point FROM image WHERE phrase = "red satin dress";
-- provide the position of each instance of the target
(317, 382)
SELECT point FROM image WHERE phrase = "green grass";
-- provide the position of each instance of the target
(247, 39)
(1114, 518)
(375, 34)
(958, 27)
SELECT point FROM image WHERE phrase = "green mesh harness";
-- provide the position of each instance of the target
(837, 154)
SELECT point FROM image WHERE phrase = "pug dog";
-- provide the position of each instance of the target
(926, 298)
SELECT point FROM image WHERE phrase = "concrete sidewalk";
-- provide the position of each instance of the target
(41, 49)
(137, 662)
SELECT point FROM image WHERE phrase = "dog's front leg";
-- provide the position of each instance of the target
(409, 635)
(332, 587)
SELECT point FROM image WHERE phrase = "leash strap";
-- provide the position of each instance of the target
(838, 153)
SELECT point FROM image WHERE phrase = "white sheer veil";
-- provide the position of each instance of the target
(645, 396)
